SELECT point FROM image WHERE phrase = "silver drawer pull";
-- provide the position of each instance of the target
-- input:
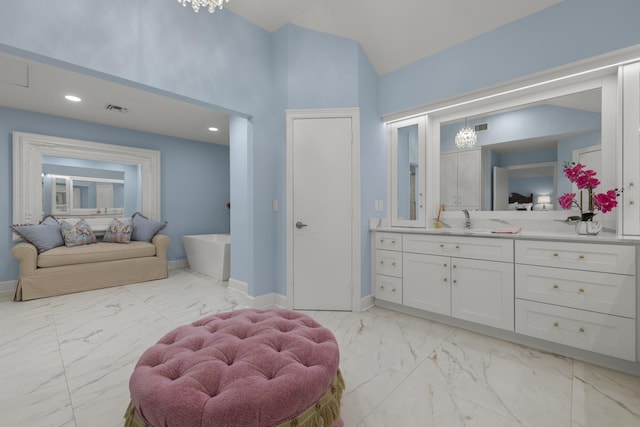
(455, 281)
(457, 246)
(555, 286)
(555, 254)
(581, 329)
(393, 290)
(393, 264)
(454, 266)
(441, 245)
(445, 279)
(381, 240)
(445, 265)
(556, 324)
(581, 290)
(381, 262)
(393, 242)
(381, 286)
(581, 257)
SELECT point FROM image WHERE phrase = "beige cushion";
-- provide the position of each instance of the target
(96, 252)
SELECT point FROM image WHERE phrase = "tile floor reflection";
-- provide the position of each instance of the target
(67, 360)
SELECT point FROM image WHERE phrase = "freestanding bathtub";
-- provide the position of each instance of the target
(209, 254)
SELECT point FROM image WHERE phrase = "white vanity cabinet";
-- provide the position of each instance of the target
(465, 277)
(582, 295)
(388, 267)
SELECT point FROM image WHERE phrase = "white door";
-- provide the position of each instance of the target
(321, 212)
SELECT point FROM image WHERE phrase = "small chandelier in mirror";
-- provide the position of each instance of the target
(466, 137)
(211, 5)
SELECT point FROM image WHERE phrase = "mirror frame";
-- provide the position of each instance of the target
(29, 148)
(608, 83)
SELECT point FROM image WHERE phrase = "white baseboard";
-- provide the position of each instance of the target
(367, 302)
(177, 263)
(9, 286)
(262, 301)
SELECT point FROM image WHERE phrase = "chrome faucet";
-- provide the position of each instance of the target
(467, 219)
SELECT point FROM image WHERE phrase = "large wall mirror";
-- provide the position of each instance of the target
(63, 177)
(522, 146)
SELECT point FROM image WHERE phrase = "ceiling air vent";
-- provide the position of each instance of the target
(116, 108)
(482, 127)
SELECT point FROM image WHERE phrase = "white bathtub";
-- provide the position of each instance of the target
(209, 254)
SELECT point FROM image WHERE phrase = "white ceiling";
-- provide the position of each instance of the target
(392, 34)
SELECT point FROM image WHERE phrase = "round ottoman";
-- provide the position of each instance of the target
(242, 368)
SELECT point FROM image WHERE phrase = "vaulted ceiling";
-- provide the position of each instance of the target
(392, 33)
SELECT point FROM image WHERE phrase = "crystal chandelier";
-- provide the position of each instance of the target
(211, 5)
(466, 137)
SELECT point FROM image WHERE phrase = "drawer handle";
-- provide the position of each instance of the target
(393, 264)
(454, 266)
(455, 281)
(381, 240)
(457, 246)
(581, 290)
(445, 280)
(381, 286)
(581, 329)
(445, 265)
(393, 242)
(556, 324)
(581, 257)
(555, 286)
(393, 290)
(441, 245)
(381, 262)
(632, 202)
(555, 254)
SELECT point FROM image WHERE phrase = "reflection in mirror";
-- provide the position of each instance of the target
(77, 187)
(408, 183)
(523, 150)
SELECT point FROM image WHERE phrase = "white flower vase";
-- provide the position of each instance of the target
(588, 227)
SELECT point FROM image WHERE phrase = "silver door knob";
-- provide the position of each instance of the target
(300, 225)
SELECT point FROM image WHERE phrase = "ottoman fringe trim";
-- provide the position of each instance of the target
(323, 413)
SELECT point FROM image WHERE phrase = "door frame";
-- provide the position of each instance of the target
(354, 115)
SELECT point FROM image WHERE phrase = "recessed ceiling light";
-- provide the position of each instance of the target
(212, 129)
(72, 98)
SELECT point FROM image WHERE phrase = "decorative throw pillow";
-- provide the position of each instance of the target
(144, 229)
(43, 236)
(76, 235)
(118, 232)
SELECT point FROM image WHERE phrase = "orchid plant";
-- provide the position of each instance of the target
(585, 179)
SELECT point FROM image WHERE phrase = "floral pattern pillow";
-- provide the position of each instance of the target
(118, 232)
(78, 234)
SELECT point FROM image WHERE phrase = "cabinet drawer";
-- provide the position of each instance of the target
(389, 241)
(497, 249)
(389, 263)
(388, 288)
(580, 256)
(602, 292)
(600, 333)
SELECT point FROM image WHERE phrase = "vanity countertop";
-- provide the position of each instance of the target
(566, 236)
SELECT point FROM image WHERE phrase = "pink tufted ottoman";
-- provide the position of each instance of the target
(242, 368)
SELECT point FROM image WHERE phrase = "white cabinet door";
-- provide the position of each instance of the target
(631, 150)
(449, 180)
(469, 179)
(483, 292)
(426, 282)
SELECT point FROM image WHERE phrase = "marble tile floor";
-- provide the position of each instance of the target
(66, 361)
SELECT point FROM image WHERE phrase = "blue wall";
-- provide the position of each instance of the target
(195, 177)
(222, 60)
